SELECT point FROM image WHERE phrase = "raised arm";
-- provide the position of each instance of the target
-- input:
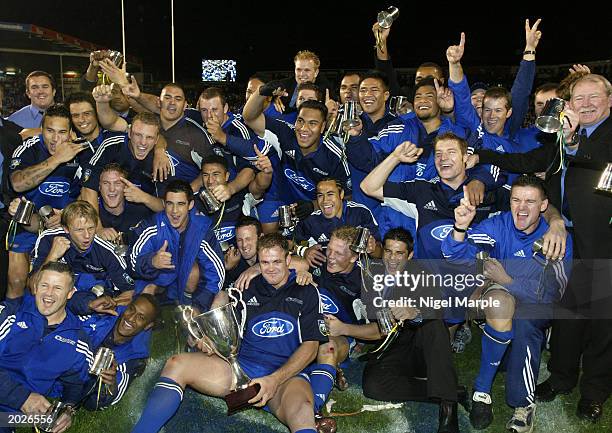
(253, 109)
(106, 115)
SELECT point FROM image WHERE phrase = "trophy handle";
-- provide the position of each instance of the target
(235, 296)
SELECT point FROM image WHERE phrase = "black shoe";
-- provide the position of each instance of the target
(448, 423)
(589, 410)
(546, 392)
(481, 415)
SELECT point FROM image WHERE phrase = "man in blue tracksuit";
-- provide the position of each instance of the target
(523, 286)
(92, 259)
(128, 335)
(282, 332)
(177, 250)
(44, 350)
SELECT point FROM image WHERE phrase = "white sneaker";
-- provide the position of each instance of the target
(523, 419)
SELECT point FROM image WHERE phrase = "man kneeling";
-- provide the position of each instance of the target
(273, 356)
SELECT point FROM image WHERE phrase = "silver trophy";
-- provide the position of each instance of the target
(211, 204)
(52, 416)
(286, 217)
(550, 119)
(481, 258)
(102, 361)
(224, 333)
(385, 20)
(121, 244)
(45, 213)
(605, 181)
(538, 255)
(386, 321)
(116, 57)
(24, 212)
(360, 244)
(399, 105)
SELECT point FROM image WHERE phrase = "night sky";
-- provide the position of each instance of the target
(265, 37)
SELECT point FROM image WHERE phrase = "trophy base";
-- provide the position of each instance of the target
(239, 400)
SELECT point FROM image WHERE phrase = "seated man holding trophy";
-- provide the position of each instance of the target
(281, 328)
(121, 341)
(176, 250)
(517, 301)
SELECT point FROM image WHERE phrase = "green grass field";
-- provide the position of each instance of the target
(204, 414)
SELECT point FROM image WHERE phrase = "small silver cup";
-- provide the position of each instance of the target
(24, 212)
(399, 105)
(45, 213)
(211, 204)
(286, 217)
(549, 119)
(121, 245)
(52, 416)
(385, 320)
(385, 18)
(102, 361)
(360, 244)
(481, 258)
(350, 117)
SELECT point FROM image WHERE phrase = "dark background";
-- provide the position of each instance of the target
(265, 35)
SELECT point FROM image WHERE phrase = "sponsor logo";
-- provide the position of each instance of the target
(519, 253)
(93, 326)
(54, 189)
(290, 153)
(420, 169)
(184, 143)
(430, 206)
(323, 238)
(301, 181)
(329, 306)
(218, 151)
(15, 162)
(441, 232)
(500, 148)
(316, 170)
(272, 328)
(127, 278)
(65, 340)
(86, 175)
(296, 300)
(225, 233)
(323, 328)
(22, 325)
(253, 301)
(94, 268)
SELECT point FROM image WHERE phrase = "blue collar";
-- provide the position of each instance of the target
(589, 129)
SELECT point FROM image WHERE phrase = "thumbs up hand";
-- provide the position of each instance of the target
(163, 259)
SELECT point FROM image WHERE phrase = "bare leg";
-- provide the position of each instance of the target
(270, 227)
(293, 404)
(18, 267)
(209, 375)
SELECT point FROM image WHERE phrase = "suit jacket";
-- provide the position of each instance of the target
(289, 85)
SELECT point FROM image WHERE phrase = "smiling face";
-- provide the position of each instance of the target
(84, 118)
(495, 114)
(305, 95)
(476, 98)
(329, 198)
(395, 255)
(55, 130)
(142, 139)
(52, 291)
(274, 264)
(139, 316)
(591, 101)
(372, 96)
(177, 207)
(172, 103)
(246, 241)
(305, 71)
(426, 103)
(449, 160)
(213, 175)
(428, 71)
(40, 92)
(340, 258)
(308, 128)
(111, 189)
(526, 205)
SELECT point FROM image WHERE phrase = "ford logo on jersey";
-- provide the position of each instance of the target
(54, 189)
(300, 180)
(441, 232)
(329, 306)
(225, 233)
(272, 328)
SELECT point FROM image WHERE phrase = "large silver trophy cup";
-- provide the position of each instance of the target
(222, 333)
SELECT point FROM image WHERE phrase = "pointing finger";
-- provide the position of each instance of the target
(462, 41)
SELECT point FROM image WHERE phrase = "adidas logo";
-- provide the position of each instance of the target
(323, 238)
(430, 206)
(290, 153)
(495, 364)
(22, 325)
(519, 253)
(500, 148)
(321, 396)
(253, 302)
